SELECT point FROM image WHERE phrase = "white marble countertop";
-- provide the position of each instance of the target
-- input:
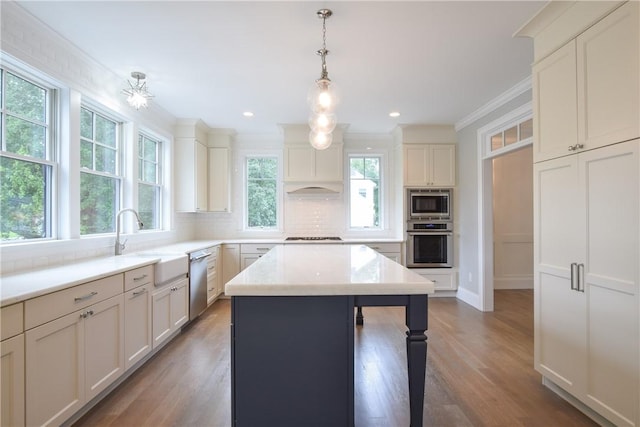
(339, 269)
(22, 286)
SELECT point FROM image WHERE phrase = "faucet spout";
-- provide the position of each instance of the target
(119, 247)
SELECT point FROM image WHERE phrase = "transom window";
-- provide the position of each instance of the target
(519, 132)
(100, 180)
(27, 166)
(149, 181)
(364, 193)
(262, 192)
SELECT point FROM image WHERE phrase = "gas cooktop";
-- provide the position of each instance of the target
(314, 238)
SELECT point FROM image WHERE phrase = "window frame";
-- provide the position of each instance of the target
(118, 176)
(50, 161)
(159, 172)
(381, 191)
(278, 178)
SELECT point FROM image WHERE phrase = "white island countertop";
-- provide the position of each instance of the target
(313, 270)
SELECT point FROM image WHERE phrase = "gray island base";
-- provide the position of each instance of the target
(292, 333)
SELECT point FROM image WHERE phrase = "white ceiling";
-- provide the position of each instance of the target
(434, 62)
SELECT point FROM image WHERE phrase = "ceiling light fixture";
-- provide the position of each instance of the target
(394, 114)
(322, 97)
(137, 94)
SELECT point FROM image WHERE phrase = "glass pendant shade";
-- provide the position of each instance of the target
(322, 122)
(323, 96)
(136, 100)
(320, 140)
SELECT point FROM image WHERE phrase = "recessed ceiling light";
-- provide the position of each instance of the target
(247, 114)
(394, 114)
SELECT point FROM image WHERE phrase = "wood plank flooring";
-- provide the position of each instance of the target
(479, 373)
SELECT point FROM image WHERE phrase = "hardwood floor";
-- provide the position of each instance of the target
(479, 373)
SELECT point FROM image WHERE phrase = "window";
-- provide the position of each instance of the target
(262, 193)
(517, 133)
(364, 194)
(149, 181)
(100, 181)
(26, 159)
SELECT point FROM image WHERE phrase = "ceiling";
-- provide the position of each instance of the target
(434, 62)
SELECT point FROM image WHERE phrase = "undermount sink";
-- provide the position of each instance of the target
(170, 266)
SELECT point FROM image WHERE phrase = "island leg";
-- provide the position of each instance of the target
(416, 320)
(359, 316)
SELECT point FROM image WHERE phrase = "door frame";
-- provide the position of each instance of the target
(485, 196)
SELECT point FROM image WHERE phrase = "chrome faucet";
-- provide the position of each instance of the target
(120, 246)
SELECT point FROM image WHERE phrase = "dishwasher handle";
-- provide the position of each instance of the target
(201, 257)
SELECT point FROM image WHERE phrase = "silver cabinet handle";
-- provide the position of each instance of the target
(576, 147)
(262, 249)
(140, 292)
(580, 278)
(136, 279)
(86, 314)
(574, 268)
(85, 297)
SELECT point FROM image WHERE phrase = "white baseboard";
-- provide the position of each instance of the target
(520, 282)
(469, 297)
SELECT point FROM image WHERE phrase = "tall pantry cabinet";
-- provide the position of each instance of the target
(587, 205)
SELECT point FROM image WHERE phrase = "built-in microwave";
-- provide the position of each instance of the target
(429, 203)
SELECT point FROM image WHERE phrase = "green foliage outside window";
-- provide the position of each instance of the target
(149, 182)
(262, 174)
(365, 191)
(25, 170)
(99, 178)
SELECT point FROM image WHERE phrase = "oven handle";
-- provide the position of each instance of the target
(430, 233)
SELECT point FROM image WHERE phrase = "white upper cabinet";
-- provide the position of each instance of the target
(191, 175)
(303, 163)
(587, 94)
(609, 79)
(430, 165)
(555, 111)
(219, 194)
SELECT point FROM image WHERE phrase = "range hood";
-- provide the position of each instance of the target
(313, 188)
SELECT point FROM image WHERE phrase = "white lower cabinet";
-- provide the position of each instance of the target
(12, 375)
(251, 252)
(71, 359)
(138, 339)
(444, 279)
(586, 257)
(392, 251)
(213, 287)
(170, 309)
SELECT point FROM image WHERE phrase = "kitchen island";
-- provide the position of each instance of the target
(292, 332)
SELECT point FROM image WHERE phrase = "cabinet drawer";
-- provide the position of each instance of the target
(48, 307)
(385, 247)
(138, 277)
(256, 248)
(12, 320)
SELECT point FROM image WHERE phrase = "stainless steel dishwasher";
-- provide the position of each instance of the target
(197, 283)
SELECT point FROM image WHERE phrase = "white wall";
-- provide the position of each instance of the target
(466, 198)
(513, 220)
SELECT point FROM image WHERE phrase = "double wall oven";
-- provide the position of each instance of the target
(429, 228)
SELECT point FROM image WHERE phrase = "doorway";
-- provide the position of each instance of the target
(508, 134)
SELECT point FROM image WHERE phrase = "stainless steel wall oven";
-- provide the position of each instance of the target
(429, 244)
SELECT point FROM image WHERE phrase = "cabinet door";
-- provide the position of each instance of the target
(416, 160)
(299, 163)
(201, 178)
(554, 103)
(55, 370)
(12, 374)
(179, 304)
(328, 164)
(161, 315)
(138, 332)
(219, 200)
(442, 161)
(230, 263)
(248, 259)
(559, 311)
(610, 183)
(608, 82)
(104, 345)
(212, 287)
